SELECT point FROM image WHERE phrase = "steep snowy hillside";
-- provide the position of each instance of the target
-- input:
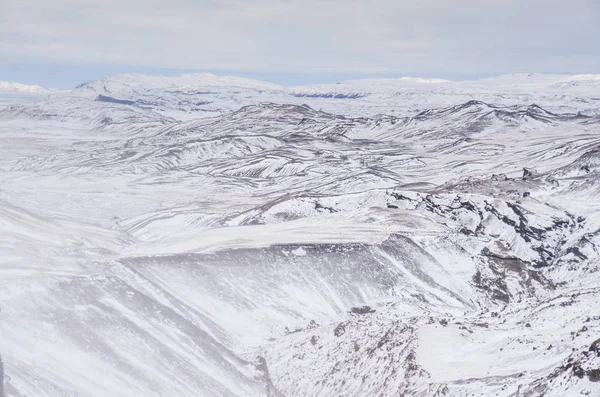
(215, 236)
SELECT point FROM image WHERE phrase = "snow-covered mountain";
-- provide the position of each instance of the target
(216, 236)
(7, 87)
(11, 93)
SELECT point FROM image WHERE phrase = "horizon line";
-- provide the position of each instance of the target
(275, 76)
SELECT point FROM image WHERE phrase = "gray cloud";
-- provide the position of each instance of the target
(309, 36)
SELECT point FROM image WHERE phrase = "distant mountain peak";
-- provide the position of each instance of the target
(137, 81)
(9, 87)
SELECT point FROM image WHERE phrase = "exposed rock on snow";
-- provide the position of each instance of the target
(219, 236)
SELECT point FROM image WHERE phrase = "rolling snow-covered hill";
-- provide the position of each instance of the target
(216, 236)
(11, 93)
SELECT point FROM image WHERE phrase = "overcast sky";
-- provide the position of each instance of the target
(63, 42)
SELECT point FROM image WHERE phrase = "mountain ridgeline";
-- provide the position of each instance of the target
(226, 237)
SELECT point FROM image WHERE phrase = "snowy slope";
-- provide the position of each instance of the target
(218, 236)
(11, 92)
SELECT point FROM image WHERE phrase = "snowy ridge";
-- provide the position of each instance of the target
(7, 87)
(135, 81)
(11, 93)
(205, 94)
(216, 236)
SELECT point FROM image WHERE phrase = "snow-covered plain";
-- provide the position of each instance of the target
(217, 236)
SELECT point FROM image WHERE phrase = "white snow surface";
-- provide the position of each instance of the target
(7, 87)
(217, 236)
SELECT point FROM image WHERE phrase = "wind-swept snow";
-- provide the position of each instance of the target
(217, 236)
